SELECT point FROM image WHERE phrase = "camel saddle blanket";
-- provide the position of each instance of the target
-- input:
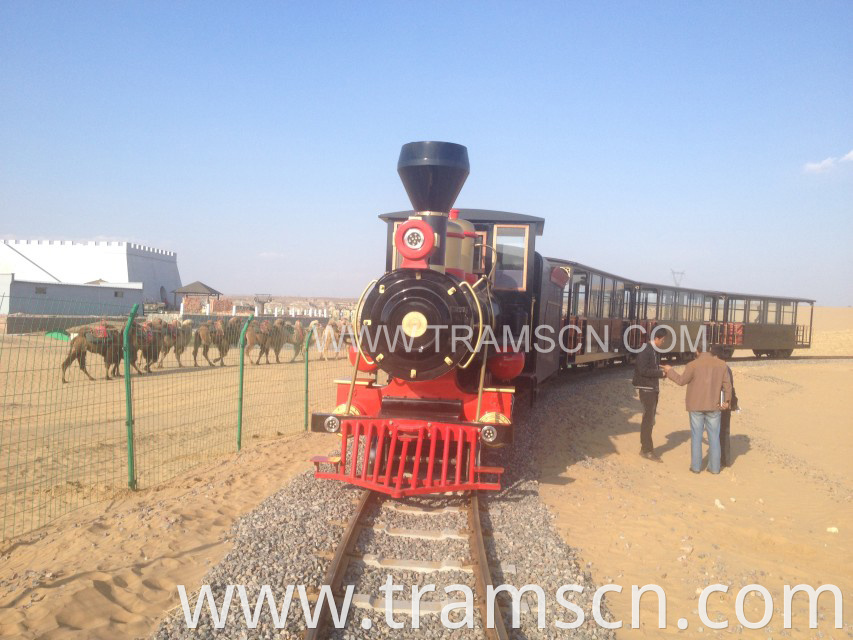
(99, 334)
(145, 334)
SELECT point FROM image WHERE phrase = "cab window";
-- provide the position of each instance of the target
(511, 245)
(481, 250)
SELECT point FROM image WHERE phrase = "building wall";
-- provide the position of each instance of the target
(156, 269)
(81, 262)
(5, 286)
(53, 298)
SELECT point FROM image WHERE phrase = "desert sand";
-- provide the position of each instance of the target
(765, 520)
(110, 569)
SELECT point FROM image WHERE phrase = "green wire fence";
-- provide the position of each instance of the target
(196, 388)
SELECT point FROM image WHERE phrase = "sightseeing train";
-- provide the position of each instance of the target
(468, 314)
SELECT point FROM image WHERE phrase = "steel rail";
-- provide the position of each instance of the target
(482, 573)
(479, 560)
(335, 573)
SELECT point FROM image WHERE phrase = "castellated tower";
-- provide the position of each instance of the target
(69, 262)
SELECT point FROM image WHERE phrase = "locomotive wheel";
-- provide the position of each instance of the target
(785, 353)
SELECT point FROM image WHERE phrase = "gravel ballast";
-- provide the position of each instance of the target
(277, 545)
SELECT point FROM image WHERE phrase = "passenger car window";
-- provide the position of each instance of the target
(650, 306)
(667, 301)
(579, 294)
(594, 295)
(737, 308)
(755, 307)
(606, 296)
(772, 313)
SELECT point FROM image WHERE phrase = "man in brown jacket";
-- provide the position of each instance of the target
(705, 377)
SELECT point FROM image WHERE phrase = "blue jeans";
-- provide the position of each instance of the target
(705, 421)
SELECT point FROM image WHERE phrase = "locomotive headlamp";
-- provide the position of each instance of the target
(414, 324)
(414, 238)
(332, 424)
(489, 434)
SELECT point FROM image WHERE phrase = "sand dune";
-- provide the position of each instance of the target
(110, 570)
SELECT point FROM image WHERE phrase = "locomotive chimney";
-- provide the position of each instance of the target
(433, 174)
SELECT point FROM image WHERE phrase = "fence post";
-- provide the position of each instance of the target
(240, 385)
(305, 358)
(131, 455)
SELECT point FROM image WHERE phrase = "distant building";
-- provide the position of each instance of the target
(93, 263)
(61, 299)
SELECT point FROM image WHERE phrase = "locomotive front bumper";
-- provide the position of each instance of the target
(409, 457)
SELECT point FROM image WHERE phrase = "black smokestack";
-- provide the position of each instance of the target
(433, 174)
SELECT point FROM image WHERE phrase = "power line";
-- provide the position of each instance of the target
(677, 277)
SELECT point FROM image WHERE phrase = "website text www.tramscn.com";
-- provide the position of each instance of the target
(458, 610)
(569, 338)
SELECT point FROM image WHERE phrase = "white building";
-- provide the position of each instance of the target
(68, 262)
(61, 299)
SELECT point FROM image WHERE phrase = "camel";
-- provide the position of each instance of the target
(146, 337)
(278, 337)
(233, 329)
(329, 336)
(292, 334)
(102, 339)
(259, 334)
(178, 336)
(211, 334)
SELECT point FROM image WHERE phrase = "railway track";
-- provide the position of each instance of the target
(476, 565)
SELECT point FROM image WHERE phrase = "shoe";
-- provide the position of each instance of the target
(651, 455)
(694, 471)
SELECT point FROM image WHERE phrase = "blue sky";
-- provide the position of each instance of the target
(260, 140)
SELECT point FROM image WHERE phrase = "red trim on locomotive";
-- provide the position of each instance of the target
(367, 397)
(415, 257)
(368, 366)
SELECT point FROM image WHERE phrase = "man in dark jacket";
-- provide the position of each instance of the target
(647, 373)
